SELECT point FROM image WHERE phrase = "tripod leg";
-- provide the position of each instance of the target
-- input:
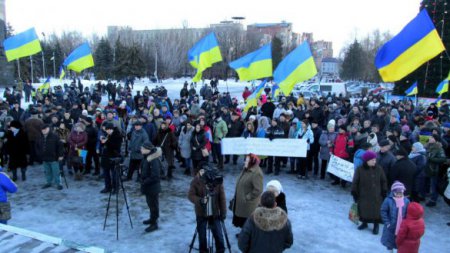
(226, 235)
(126, 201)
(107, 210)
(191, 246)
(117, 210)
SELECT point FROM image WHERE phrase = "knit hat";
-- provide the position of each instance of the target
(418, 147)
(147, 145)
(16, 124)
(397, 186)
(401, 152)
(383, 143)
(109, 125)
(276, 185)
(405, 128)
(369, 155)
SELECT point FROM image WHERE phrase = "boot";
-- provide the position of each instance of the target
(151, 228)
(14, 172)
(362, 226)
(146, 222)
(24, 173)
(187, 172)
(376, 228)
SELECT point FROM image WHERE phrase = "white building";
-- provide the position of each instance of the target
(330, 66)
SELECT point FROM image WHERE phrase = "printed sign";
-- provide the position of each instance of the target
(341, 168)
(264, 147)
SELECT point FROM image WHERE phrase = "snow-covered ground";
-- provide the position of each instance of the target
(317, 210)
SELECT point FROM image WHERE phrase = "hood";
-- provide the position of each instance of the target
(155, 155)
(415, 211)
(270, 219)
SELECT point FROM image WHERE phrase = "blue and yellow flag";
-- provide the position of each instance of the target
(21, 45)
(62, 73)
(204, 54)
(275, 91)
(45, 86)
(255, 65)
(296, 67)
(438, 101)
(443, 86)
(252, 100)
(80, 58)
(412, 90)
(416, 44)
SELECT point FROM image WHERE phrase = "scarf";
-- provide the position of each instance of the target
(413, 154)
(399, 203)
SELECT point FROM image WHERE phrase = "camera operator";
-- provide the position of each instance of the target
(151, 182)
(111, 144)
(205, 188)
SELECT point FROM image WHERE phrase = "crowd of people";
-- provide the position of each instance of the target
(388, 142)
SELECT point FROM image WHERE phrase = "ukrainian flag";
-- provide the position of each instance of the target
(22, 44)
(45, 86)
(204, 54)
(252, 100)
(255, 65)
(412, 90)
(296, 67)
(443, 86)
(275, 90)
(438, 101)
(80, 58)
(416, 44)
(62, 73)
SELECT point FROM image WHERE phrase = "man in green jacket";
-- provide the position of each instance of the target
(220, 131)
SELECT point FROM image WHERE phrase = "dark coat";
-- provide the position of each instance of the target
(404, 170)
(166, 140)
(150, 173)
(315, 146)
(111, 148)
(76, 140)
(235, 128)
(17, 149)
(92, 134)
(49, 148)
(386, 161)
(435, 157)
(134, 146)
(389, 213)
(197, 191)
(248, 191)
(281, 201)
(267, 230)
(198, 142)
(369, 189)
(16, 114)
(267, 109)
(33, 127)
(411, 230)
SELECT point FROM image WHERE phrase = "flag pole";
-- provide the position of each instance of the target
(416, 99)
(31, 64)
(43, 64)
(18, 69)
(54, 66)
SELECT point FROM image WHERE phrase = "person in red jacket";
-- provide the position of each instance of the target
(340, 149)
(411, 230)
(246, 93)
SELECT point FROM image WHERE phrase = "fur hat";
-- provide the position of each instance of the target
(383, 143)
(369, 155)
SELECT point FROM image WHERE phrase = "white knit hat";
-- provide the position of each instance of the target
(276, 185)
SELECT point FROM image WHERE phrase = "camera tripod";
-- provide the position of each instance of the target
(209, 222)
(118, 182)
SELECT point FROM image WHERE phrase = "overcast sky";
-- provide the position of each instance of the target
(338, 21)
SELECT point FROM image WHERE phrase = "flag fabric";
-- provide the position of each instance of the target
(438, 101)
(80, 58)
(296, 67)
(23, 44)
(255, 65)
(252, 100)
(412, 90)
(62, 73)
(443, 86)
(275, 90)
(416, 44)
(204, 54)
(45, 86)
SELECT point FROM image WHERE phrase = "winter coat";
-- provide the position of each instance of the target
(275, 132)
(420, 161)
(411, 230)
(76, 140)
(184, 142)
(323, 141)
(435, 157)
(166, 140)
(389, 214)
(112, 146)
(6, 185)
(368, 189)
(315, 146)
(386, 161)
(281, 201)
(404, 170)
(92, 134)
(49, 148)
(150, 173)
(235, 128)
(198, 142)
(33, 127)
(249, 187)
(197, 191)
(17, 147)
(16, 114)
(268, 230)
(220, 131)
(307, 135)
(138, 137)
(340, 146)
(357, 159)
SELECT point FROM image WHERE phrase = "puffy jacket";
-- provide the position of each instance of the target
(340, 146)
(404, 170)
(411, 230)
(389, 213)
(197, 191)
(435, 157)
(6, 185)
(323, 141)
(386, 160)
(307, 135)
(220, 131)
(275, 132)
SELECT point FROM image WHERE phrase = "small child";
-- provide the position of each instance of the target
(393, 211)
(411, 230)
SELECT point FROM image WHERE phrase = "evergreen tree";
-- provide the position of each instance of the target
(128, 62)
(354, 62)
(430, 74)
(119, 60)
(277, 51)
(103, 58)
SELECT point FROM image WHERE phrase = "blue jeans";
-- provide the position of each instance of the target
(434, 188)
(52, 173)
(188, 162)
(216, 230)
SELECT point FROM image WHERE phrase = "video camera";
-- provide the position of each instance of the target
(211, 177)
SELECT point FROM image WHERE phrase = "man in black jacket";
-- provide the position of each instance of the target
(111, 144)
(150, 182)
(268, 229)
(50, 150)
(274, 132)
(235, 129)
(403, 170)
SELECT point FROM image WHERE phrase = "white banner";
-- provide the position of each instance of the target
(341, 168)
(264, 147)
